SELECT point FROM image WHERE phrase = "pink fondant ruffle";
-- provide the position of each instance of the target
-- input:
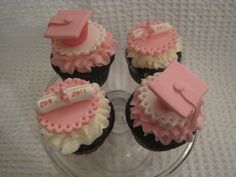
(83, 63)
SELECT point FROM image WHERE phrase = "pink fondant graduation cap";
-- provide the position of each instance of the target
(70, 26)
(180, 89)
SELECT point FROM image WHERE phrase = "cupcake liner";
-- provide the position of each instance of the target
(87, 149)
(98, 74)
(139, 73)
(147, 141)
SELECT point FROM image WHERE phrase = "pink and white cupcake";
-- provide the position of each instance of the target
(75, 116)
(166, 109)
(151, 47)
(80, 48)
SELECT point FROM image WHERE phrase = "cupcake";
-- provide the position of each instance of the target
(165, 111)
(74, 116)
(151, 47)
(80, 48)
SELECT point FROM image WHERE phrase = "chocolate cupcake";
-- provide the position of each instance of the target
(151, 47)
(166, 109)
(74, 116)
(80, 48)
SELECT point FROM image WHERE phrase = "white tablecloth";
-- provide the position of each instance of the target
(208, 31)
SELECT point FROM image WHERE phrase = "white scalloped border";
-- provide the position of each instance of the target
(96, 36)
(149, 104)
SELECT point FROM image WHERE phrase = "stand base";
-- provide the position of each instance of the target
(120, 155)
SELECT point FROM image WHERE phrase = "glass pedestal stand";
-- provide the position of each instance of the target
(120, 155)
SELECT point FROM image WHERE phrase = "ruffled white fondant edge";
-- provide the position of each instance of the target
(156, 61)
(149, 105)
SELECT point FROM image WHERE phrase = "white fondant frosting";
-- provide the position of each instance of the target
(153, 107)
(80, 93)
(48, 103)
(156, 28)
(74, 94)
(161, 27)
(96, 35)
(70, 142)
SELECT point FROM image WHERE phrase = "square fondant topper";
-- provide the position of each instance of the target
(67, 24)
(179, 88)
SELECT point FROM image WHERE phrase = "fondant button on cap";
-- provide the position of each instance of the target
(67, 24)
(179, 88)
(68, 19)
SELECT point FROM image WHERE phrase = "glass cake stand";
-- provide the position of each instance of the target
(120, 155)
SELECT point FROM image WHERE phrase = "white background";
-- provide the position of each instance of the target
(208, 31)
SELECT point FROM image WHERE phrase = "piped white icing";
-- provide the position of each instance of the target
(96, 35)
(154, 61)
(70, 142)
(153, 108)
